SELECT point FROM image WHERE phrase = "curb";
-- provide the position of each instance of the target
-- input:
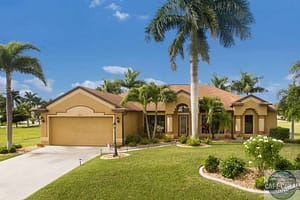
(201, 172)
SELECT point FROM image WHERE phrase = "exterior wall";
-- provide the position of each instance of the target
(133, 123)
(271, 121)
(76, 104)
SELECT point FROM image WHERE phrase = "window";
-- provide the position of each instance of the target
(160, 122)
(215, 126)
(249, 124)
(183, 108)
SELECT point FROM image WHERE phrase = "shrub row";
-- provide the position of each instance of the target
(280, 133)
(133, 140)
(193, 142)
(13, 149)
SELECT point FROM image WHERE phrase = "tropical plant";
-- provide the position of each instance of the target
(247, 84)
(215, 114)
(232, 167)
(12, 60)
(111, 86)
(295, 70)
(193, 19)
(16, 97)
(289, 105)
(130, 79)
(221, 82)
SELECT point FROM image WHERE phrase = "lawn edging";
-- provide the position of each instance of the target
(201, 172)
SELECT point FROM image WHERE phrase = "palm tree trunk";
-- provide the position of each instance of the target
(8, 110)
(194, 94)
(292, 129)
(147, 126)
(155, 122)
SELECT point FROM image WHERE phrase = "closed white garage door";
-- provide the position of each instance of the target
(91, 131)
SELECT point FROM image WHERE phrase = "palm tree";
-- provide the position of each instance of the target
(113, 87)
(142, 96)
(193, 19)
(246, 85)
(221, 83)
(295, 69)
(130, 79)
(16, 97)
(12, 60)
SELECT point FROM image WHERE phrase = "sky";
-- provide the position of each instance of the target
(83, 42)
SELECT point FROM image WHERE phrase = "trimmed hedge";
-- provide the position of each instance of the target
(280, 133)
(211, 164)
(232, 167)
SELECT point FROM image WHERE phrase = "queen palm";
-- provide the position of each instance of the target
(220, 82)
(130, 79)
(295, 69)
(12, 60)
(193, 20)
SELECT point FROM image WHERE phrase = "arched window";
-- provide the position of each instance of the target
(183, 108)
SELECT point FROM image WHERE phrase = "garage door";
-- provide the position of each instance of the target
(81, 131)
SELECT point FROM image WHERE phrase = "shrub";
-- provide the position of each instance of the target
(232, 167)
(283, 164)
(168, 139)
(295, 141)
(211, 164)
(263, 150)
(297, 159)
(193, 142)
(145, 141)
(3, 150)
(260, 182)
(12, 149)
(18, 146)
(280, 133)
(182, 139)
(207, 140)
(133, 138)
(132, 144)
(155, 140)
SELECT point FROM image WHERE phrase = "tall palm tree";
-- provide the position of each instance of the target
(295, 69)
(113, 87)
(12, 60)
(247, 84)
(130, 79)
(16, 97)
(193, 20)
(221, 83)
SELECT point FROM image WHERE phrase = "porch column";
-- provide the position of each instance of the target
(169, 124)
(261, 124)
(238, 124)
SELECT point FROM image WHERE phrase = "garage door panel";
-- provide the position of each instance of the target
(81, 130)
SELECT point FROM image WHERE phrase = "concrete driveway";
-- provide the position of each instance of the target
(23, 175)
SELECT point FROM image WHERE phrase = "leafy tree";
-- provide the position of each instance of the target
(113, 87)
(130, 79)
(193, 20)
(295, 69)
(289, 105)
(215, 114)
(16, 97)
(221, 82)
(12, 60)
(247, 84)
(20, 113)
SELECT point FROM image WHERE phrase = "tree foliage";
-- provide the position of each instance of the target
(221, 82)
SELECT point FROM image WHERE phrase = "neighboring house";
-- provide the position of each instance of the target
(85, 116)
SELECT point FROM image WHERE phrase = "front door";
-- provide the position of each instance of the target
(183, 125)
(249, 124)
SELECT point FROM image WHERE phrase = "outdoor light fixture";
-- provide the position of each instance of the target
(118, 119)
(115, 139)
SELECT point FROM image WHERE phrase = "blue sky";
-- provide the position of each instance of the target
(83, 42)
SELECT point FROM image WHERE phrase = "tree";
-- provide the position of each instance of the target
(215, 114)
(16, 97)
(193, 19)
(289, 105)
(113, 87)
(141, 95)
(130, 79)
(221, 83)
(295, 69)
(12, 60)
(246, 85)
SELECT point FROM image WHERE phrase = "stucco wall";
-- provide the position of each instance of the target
(133, 123)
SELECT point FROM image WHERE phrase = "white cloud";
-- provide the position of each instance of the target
(155, 81)
(143, 17)
(16, 85)
(116, 69)
(95, 3)
(40, 85)
(113, 6)
(289, 77)
(121, 15)
(88, 84)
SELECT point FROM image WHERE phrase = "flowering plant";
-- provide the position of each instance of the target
(263, 150)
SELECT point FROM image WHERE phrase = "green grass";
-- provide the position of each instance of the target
(24, 136)
(160, 173)
(286, 124)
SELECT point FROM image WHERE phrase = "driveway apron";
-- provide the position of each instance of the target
(23, 175)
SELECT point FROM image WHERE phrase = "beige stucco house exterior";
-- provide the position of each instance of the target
(86, 116)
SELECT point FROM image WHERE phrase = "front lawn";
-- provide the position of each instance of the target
(159, 173)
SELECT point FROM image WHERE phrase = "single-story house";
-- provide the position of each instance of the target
(85, 116)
